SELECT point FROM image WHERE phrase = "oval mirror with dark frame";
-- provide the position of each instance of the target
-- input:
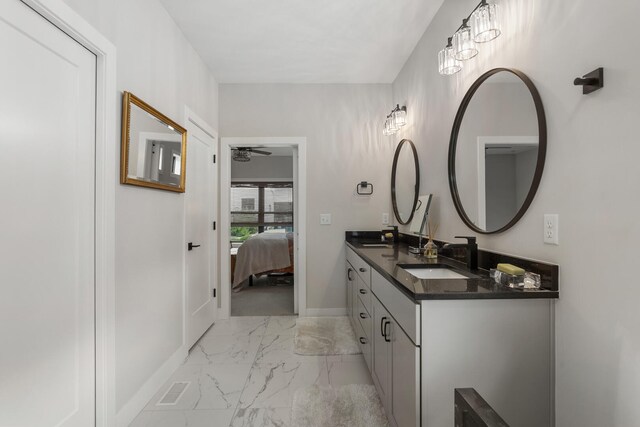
(154, 147)
(497, 150)
(405, 181)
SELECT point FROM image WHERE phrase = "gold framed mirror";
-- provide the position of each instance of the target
(153, 149)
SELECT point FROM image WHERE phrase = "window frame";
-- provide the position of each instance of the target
(261, 223)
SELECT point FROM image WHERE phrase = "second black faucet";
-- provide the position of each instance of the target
(472, 250)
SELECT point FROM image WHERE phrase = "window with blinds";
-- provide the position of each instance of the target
(260, 206)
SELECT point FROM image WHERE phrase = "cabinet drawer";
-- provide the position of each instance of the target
(401, 307)
(364, 294)
(364, 317)
(362, 268)
(364, 343)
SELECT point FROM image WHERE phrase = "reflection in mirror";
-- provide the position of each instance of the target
(421, 215)
(497, 153)
(405, 181)
(153, 147)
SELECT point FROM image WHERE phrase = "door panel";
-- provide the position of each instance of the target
(199, 198)
(350, 275)
(405, 377)
(47, 184)
(380, 362)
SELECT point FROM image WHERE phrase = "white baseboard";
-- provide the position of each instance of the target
(132, 408)
(320, 312)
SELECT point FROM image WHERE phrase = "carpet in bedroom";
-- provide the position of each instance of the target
(269, 296)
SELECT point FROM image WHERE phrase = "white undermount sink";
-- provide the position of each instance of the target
(434, 273)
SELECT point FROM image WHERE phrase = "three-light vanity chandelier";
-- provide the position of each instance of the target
(395, 120)
(481, 26)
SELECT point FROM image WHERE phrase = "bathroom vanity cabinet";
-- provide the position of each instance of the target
(389, 347)
(422, 339)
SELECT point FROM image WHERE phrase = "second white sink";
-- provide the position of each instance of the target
(434, 273)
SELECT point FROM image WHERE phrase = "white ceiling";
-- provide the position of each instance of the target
(303, 41)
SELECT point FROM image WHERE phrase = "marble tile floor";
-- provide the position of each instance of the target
(243, 372)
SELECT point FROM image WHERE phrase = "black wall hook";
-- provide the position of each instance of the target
(591, 82)
(364, 185)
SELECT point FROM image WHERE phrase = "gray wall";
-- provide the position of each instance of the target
(156, 63)
(589, 179)
(263, 167)
(500, 186)
(343, 126)
(525, 169)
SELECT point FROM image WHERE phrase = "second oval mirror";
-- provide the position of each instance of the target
(405, 181)
(497, 150)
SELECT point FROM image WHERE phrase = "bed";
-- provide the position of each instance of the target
(263, 253)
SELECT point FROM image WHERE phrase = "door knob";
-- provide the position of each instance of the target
(190, 246)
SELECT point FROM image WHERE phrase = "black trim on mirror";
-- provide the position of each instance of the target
(396, 213)
(542, 149)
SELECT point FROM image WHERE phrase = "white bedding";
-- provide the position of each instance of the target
(260, 253)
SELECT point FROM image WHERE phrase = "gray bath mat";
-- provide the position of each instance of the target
(319, 336)
(353, 405)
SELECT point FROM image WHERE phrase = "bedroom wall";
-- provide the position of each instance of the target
(263, 168)
(342, 124)
(589, 179)
(155, 62)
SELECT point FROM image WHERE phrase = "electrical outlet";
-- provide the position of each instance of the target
(325, 219)
(551, 236)
(385, 219)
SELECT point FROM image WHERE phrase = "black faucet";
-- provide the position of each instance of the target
(394, 231)
(472, 250)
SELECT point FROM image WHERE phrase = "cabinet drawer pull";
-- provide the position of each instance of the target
(385, 333)
(381, 325)
(363, 340)
(362, 269)
(349, 275)
(363, 316)
(363, 291)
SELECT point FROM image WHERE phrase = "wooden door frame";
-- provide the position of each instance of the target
(300, 214)
(68, 21)
(193, 121)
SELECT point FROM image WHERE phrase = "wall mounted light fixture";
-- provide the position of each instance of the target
(482, 25)
(395, 120)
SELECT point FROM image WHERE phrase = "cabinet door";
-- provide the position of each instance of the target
(354, 298)
(381, 351)
(405, 379)
(350, 277)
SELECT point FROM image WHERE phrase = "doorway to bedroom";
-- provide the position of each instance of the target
(260, 227)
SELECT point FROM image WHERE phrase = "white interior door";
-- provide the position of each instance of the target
(47, 225)
(201, 306)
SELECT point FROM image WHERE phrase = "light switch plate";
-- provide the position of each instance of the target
(325, 219)
(551, 236)
(385, 219)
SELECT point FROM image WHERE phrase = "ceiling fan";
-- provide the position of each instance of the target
(243, 154)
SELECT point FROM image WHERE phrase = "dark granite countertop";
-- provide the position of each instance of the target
(478, 285)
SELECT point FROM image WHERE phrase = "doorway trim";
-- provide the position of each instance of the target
(106, 157)
(300, 214)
